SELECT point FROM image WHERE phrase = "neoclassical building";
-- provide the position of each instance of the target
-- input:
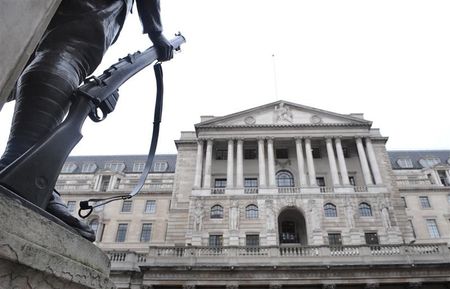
(278, 196)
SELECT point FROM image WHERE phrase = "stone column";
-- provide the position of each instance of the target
(363, 161)
(240, 164)
(208, 161)
(198, 165)
(271, 162)
(230, 164)
(341, 161)
(332, 162)
(373, 162)
(310, 163)
(261, 163)
(300, 162)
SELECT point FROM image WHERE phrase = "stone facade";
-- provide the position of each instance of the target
(278, 196)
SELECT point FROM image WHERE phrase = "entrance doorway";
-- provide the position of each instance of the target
(292, 227)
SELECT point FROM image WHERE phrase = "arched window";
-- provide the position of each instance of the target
(216, 212)
(365, 210)
(330, 210)
(285, 179)
(251, 212)
(94, 225)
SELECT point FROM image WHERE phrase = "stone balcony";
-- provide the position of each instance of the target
(286, 255)
(289, 190)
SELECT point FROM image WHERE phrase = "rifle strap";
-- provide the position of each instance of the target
(84, 205)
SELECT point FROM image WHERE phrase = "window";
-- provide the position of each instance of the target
(405, 163)
(138, 167)
(94, 225)
(316, 153)
(251, 212)
(117, 184)
(365, 210)
(215, 240)
(146, 232)
(443, 177)
(412, 228)
(351, 180)
(330, 210)
(104, 184)
(320, 181)
(121, 232)
(71, 206)
(334, 239)
(433, 228)
(68, 168)
(216, 212)
(115, 166)
(126, 206)
(160, 166)
(221, 154)
(220, 183)
(252, 240)
(88, 168)
(282, 153)
(250, 154)
(346, 152)
(150, 207)
(429, 162)
(371, 238)
(424, 202)
(404, 202)
(285, 179)
(250, 185)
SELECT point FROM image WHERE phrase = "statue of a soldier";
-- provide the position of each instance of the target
(71, 48)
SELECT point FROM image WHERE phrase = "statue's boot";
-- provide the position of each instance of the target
(59, 209)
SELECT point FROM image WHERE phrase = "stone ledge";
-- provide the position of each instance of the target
(32, 244)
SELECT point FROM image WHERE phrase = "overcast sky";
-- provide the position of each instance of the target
(387, 59)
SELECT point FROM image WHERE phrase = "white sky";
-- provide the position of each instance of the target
(387, 59)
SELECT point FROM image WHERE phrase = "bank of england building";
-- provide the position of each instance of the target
(277, 196)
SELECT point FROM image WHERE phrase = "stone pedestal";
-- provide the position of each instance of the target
(234, 238)
(355, 237)
(36, 253)
(271, 239)
(317, 237)
(196, 239)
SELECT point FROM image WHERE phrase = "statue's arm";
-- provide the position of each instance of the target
(149, 13)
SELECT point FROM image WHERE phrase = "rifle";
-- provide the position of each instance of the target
(34, 174)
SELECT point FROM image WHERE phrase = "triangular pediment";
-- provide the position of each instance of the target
(283, 113)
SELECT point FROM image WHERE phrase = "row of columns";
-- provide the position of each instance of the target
(366, 155)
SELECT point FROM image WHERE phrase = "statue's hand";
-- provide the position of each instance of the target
(162, 45)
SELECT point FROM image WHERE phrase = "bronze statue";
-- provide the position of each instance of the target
(71, 48)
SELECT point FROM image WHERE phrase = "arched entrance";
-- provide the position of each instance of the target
(292, 227)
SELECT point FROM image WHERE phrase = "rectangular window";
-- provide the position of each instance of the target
(138, 167)
(282, 153)
(126, 206)
(404, 202)
(88, 167)
(71, 206)
(215, 240)
(443, 177)
(250, 185)
(104, 184)
(220, 183)
(346, 152)
(221, 154)
(121, 232)
(150, 207)
(320, 181)
(334, 239)
(412, 228)
(250, 154)
(433, 230)
(316, 153)
(252, 240)
(160, 166)
(146, 232)
(117, 184)
(351, 180)
(424, 202)
(116, 167)
(371, 238)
